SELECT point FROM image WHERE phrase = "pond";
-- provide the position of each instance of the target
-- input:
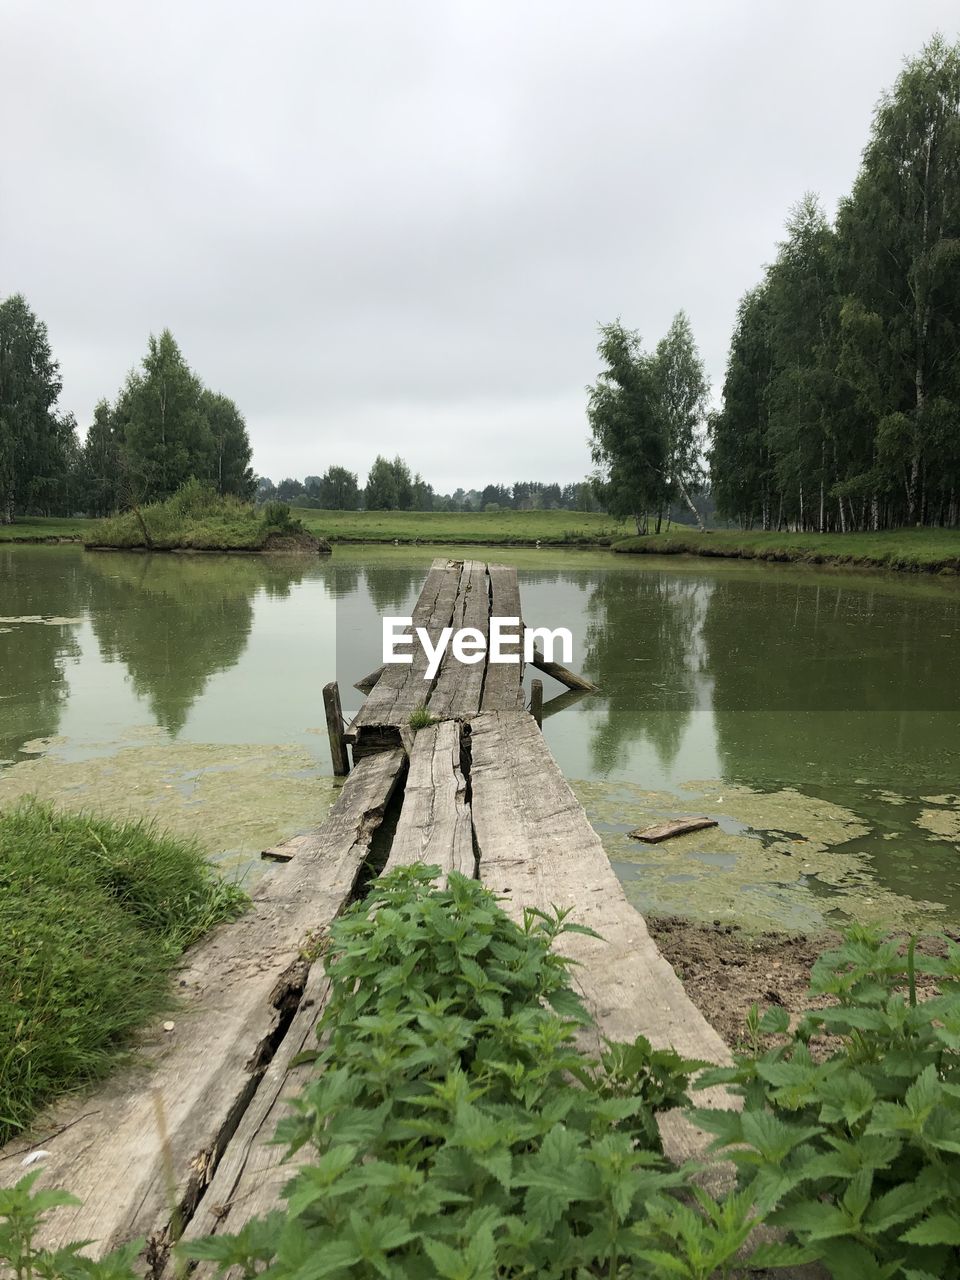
(813, 713)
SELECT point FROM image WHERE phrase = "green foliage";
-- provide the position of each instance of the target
(842, 389)
(858, 1156)
(520, 528)
(420, 717)
(93, 915)
(197, 517)
(37, 446)
(172, 427)
(455, 1128)
(389, 486)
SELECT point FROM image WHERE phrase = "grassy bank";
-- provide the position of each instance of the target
(915, 550)
(552, 528)
(196, 519)
(93, 916)
(35, 529)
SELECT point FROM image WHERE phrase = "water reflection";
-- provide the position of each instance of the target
(644, 648)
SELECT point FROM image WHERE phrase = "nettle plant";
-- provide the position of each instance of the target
(455, 1128)
(857, 1156)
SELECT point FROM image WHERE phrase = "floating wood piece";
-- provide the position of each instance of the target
(665, 830)
(562, 673)
(338, 745)
(241, 984)
(434, 825)
(367, 682)
(537, 849)
(536, 701)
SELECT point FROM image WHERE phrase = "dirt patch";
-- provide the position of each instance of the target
(725, 971)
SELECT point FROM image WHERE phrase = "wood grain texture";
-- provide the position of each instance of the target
(459, 685)
(154, 1133)
(402, 687)
(503, 685)
(536, 848)
(666, 830)
(434, 825)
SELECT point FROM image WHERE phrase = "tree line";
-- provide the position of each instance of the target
(163, 428)
(391, 486)
(841, 400)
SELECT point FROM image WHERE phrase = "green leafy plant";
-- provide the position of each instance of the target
(455, 1128)
(858, 1155)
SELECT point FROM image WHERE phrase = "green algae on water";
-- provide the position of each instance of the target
(235, 800)
(778, 860)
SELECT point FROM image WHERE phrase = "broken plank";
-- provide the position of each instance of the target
(503, 684)
(434, 825)
(403, 686)
(537, 849)
(666, 830)
(134, 1175)
(459, 684)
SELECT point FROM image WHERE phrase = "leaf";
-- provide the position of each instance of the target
(939, 1228)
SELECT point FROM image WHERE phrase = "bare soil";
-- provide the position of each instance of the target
(725, 970)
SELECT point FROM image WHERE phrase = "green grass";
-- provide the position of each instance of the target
(197, 519)
(555, 528)
(93, 916)
(35, 529)
(917, 550)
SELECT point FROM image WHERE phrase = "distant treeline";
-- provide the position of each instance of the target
(390, 486)
(841, 402)
(164, 428)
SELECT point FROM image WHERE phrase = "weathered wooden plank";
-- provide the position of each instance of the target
(252, 1172)
(459, 684)
(536, 848)
(559, 672)
(402, 686)
(149, 1140)
(503, 685)
(434, 825)
(666, 830)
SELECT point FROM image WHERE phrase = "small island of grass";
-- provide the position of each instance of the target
(196, 518)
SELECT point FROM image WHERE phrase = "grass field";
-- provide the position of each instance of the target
(917, 550)
(554, 528)
(33, 529)
(93, 916)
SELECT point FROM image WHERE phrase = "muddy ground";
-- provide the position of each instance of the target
(725, 970)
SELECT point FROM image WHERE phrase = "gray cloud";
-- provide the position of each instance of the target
(388, 227)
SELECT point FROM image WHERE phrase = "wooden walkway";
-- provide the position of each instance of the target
(181, 1144)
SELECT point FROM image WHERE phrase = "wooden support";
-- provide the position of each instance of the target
(536, 701)
(338, 745)
(569, 698)
(368, 682)
(563, 674)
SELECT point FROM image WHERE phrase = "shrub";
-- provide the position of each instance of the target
(858, 1156)
(93, 915)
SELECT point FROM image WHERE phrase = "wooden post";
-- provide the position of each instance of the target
(338, 746)
(536, 701)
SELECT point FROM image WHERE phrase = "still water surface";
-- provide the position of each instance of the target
(815, 713)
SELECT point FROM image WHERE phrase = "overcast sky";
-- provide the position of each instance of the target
(392, 226)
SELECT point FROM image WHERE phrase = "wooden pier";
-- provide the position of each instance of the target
(180, 1144)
